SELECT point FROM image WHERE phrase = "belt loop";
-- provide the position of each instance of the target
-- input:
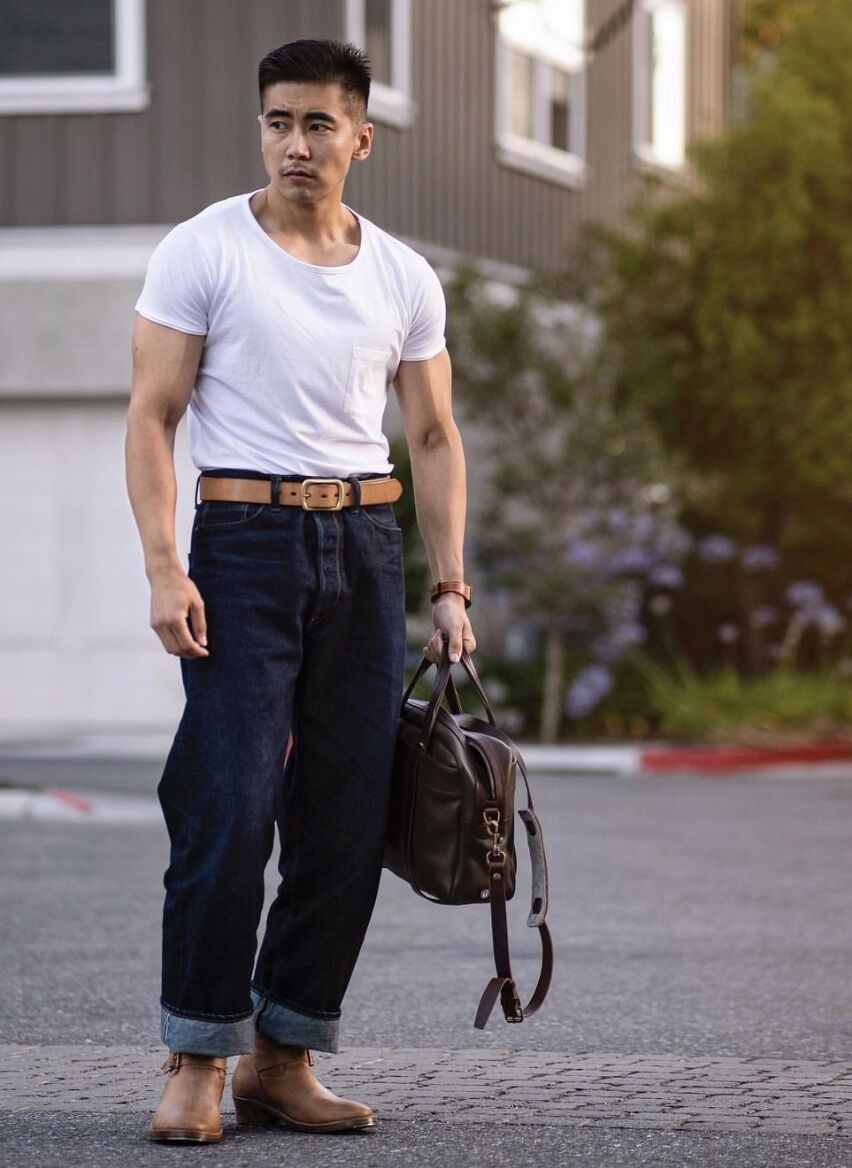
(356, 491)
(275, 491)
(197, 483)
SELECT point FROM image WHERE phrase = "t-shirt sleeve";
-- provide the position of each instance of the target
(178, 284)
(428, 320)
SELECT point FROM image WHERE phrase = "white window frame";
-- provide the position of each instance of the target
(124, 89)
(643, 147)
(388, 103)
(535, 155)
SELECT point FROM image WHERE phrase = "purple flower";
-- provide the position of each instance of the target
(805, 595)
(716, 549)
(665, 576)
(828, 620)
(643, 526)
(613, 646)
(630, 559)
(762, 615)
(582, 553)
(728, 633)
(618, 520)
(758, 556)
(586, 690)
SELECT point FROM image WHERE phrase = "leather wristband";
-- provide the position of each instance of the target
(451, 586)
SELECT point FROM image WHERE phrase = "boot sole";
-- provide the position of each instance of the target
(185, 1136)
(249, 1111)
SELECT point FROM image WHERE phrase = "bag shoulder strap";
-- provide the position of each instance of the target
(503, 985)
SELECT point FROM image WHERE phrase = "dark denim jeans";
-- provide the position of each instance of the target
(306, 632)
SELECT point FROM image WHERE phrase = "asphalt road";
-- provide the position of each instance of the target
(693, 916)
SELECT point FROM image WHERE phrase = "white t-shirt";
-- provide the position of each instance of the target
(298, 357)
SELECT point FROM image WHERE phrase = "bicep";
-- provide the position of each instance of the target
(424, 392)
(165, 366)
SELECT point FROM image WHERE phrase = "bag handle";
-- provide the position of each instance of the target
(444, 683)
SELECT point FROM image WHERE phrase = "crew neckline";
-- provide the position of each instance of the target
(325, 269)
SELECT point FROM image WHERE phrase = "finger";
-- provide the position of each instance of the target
(198, 621)
(455, 647)
(168, 641)
(187, 646)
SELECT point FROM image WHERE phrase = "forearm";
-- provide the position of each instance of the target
(152, 488)
(440, 494)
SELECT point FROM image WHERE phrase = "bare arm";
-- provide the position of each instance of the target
(424, 390)
(165, 364)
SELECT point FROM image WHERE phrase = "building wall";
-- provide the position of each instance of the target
(438, 181)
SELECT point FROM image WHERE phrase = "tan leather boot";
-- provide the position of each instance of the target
(190, 1108)
(276, 1085)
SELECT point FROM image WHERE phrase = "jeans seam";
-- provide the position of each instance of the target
(316, 1015)
(197, 1017)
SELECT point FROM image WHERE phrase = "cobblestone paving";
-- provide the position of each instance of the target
(495, 1087)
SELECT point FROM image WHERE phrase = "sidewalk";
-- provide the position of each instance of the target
(496, 1087)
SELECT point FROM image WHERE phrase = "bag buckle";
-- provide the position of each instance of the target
(304, 492)
(495, 856)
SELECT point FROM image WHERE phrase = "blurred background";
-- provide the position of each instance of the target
(641, 212)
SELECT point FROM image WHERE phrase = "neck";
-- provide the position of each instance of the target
(322, 222)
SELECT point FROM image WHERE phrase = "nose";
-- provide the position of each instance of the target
(297, 147)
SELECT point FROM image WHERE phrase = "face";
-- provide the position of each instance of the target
(308, 128)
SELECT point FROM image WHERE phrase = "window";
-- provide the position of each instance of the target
(58, 58)
(383, 29)
(659, 82)
(541, 88)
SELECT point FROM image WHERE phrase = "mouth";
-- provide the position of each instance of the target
(297, 174)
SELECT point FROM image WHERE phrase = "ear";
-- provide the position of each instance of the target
(365, 141)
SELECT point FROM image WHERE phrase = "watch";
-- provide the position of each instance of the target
(451, 586)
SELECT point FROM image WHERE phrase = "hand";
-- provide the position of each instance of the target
(451, 623)
(177, 615)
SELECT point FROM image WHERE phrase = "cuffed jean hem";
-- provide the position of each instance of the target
(290, 1028)
(206, 1036)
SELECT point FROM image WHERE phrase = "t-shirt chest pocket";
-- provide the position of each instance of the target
(366, 385)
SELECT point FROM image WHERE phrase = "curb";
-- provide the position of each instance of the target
(635, 760)
(55, 805)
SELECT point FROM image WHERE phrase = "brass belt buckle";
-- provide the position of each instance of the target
(303, 494)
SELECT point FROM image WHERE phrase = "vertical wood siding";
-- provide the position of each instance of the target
(438, 181)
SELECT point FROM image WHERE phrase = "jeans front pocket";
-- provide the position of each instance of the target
(214, 514)
(382, 516)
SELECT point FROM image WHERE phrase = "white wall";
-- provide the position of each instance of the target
(76, 649)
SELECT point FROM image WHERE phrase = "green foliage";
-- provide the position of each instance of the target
(726, 307)
(725, 705)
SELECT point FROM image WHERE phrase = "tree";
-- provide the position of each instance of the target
(576, 494)
(727, 306)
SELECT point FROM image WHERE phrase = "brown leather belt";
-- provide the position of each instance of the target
(311, 494)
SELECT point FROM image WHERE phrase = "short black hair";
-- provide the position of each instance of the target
(321, 62)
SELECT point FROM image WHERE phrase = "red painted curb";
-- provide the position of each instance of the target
(725, 758)
(75, 802)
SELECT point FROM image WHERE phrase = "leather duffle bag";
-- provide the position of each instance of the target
(451, 822)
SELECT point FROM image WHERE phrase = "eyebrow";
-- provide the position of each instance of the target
(277, 113)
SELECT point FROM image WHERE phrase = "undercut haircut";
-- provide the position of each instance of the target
(321, 62)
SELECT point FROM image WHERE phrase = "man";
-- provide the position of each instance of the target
(279, 318)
